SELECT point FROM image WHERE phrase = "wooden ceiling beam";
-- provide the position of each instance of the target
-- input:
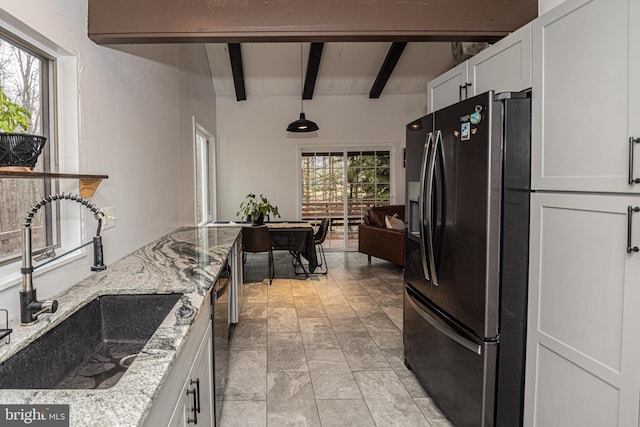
(313, 65)
(235, 56)
(194, 21)
(395, 51)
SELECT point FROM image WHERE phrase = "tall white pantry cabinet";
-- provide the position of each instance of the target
(583, 339)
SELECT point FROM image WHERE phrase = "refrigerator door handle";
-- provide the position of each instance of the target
(429, 199)
(425, 157)
(444, 328)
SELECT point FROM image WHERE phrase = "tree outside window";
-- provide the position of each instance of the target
(23, 78)
(343, 185)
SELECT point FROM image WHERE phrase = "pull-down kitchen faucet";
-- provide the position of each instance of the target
(30, 307)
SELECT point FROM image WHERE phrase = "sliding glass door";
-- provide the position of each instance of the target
(343, 185)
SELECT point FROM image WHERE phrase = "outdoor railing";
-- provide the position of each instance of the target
(315, 211)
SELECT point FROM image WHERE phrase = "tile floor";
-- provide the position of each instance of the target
(324, 351)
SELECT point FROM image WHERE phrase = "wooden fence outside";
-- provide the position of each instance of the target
(315, 211)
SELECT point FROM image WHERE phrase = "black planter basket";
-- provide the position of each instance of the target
(20, 149)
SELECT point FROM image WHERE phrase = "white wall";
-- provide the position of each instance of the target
(256, 154)
(546, 5)
(134, 124)
(197, 98)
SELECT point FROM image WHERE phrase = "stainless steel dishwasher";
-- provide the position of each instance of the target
(222, 332)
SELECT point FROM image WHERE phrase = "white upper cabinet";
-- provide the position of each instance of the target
(585, 97)
(504, 66)
(448, 88)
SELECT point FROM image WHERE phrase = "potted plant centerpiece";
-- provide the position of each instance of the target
(19, 150)
(254, 209)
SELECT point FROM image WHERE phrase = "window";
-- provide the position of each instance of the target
(343, 185)
(25, 77)
(205, 175)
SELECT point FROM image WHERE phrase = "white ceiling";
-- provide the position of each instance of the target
(345, 68)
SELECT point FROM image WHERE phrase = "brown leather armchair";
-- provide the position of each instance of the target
(375, 239)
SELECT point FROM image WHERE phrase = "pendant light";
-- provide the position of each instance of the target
(302, 124)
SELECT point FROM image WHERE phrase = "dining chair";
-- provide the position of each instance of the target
(318, 240)
(256, 239)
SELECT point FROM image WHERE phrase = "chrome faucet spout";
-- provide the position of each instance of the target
(30, 307)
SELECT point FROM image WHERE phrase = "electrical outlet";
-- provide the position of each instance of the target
(109, 220)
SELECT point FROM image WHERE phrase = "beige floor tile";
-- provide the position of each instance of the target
(335, 385)
(361, 350)
(309, 306)
(388, 400)
(282, 319)
(244, 413)
(290, 400)
(285, 352)
(317, 333)
(345, 413)
(249, 336)
(247, 375)
(325, 350)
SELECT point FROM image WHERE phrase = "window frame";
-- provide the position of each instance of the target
(345, 148)
(209, 157)
(63, 124)
(49, 154)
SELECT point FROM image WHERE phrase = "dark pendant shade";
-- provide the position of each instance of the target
(302, 125)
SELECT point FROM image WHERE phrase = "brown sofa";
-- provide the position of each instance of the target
(375, 239)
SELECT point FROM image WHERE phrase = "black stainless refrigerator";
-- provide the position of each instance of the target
(466, 257)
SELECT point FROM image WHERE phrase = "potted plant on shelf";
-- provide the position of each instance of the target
(254, 209)
(19, 150)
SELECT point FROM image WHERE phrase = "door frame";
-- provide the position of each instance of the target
(396, 179)
(198, 128)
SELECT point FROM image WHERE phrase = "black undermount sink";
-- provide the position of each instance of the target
(90, 349)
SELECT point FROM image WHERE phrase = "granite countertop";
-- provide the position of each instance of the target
(187, 260)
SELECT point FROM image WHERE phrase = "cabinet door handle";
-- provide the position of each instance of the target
(195, 409)
(197, 383)
(630, 212)
(464, 87)
(632, 142)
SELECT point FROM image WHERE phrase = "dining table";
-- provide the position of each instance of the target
(297, 238)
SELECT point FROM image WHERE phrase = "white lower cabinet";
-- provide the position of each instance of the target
(195, 407)
(187, 396)
(583, 345)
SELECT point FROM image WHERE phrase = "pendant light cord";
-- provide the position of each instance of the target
(301, 82)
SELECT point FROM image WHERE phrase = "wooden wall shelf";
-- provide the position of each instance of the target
(88, 183)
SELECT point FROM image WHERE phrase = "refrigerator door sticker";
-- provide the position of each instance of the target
(465, 130)
(476, 117)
